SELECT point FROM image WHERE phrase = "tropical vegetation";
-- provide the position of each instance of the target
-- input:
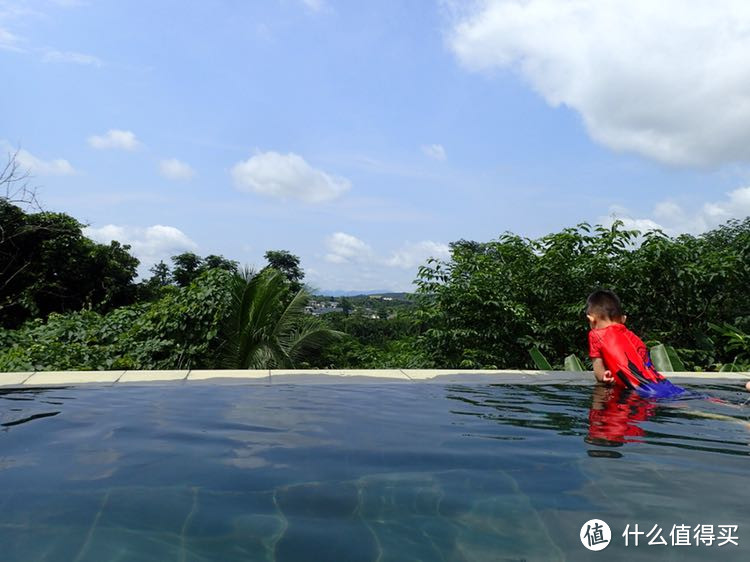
(67, 302)
(266, 325)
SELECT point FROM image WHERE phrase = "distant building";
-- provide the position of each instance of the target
(316, 307)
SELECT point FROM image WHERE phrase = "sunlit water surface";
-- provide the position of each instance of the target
(371, 472)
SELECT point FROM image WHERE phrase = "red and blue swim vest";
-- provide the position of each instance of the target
(627, 357)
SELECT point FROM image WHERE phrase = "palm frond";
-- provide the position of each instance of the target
(263, 332)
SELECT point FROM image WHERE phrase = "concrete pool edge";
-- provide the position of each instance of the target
(323, 376)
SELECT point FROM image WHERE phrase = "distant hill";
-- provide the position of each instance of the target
(349, 293)
(395, 296)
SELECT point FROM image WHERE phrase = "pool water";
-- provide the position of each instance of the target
(464, 472)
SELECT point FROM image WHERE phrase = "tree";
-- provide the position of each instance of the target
(187, 267)
(161, 276)
(266, 330)
(288, 264)
(346, 305)
(48, 265)
(177, 331)
(492, 302)
(14, 184)
(219, 262)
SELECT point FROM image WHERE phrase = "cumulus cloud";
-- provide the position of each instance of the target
(674, 219)
(8, 40)
(435, 151)
(174, 169)
(314, 5)
(149, 244)
(37, 166)
(71, 57)
(412, 255)
(114, 138)
(668, 80)
(56, 167)
(287, 176)
(345, 248)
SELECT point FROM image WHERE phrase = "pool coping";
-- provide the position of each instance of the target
(323, 376)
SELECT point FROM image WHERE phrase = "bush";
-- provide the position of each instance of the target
(177, 331)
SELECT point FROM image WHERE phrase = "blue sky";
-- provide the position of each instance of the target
(364, 137)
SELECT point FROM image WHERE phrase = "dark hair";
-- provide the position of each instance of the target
(604, 303)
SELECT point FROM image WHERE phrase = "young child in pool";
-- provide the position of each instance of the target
(619, 356)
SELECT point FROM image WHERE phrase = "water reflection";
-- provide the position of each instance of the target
(607, 417)
(615, 416)
(28, 419)
(356, 472)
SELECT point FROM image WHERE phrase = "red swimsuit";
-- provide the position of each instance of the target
(625, 355)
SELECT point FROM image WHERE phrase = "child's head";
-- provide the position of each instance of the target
(603, 306)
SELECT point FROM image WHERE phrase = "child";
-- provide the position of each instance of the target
(619, 356)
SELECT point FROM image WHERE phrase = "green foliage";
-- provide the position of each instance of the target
(492, 301)
(540, 361)
(265, 329)
(665, 359)
(186, 268)
(672, 287)
(485, 307)
(351, 353)
(373, 343)
(189, 266)
(288, 264)
(346, 305)
(572, 363)
(161, 276)
(47, 265)
(737, 343)
(180, 330)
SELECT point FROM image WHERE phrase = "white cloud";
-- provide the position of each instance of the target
(354, 265)
(37, 166)
(629, 222)
(69, 3)
(668, 80)
(412, 255)
(9, 41)
(114, 138)
(149, 244)
(345, 248)
(435, 151)
(174, 169)
(673, 219)
(71, 57)
(287, 177)
(56, 167)
(314, 5)
(737, 205)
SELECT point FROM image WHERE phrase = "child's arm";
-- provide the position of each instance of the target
(601, 374)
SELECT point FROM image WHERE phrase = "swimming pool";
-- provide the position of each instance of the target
(379, 471)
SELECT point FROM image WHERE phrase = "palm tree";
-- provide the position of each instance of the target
(265, 329)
